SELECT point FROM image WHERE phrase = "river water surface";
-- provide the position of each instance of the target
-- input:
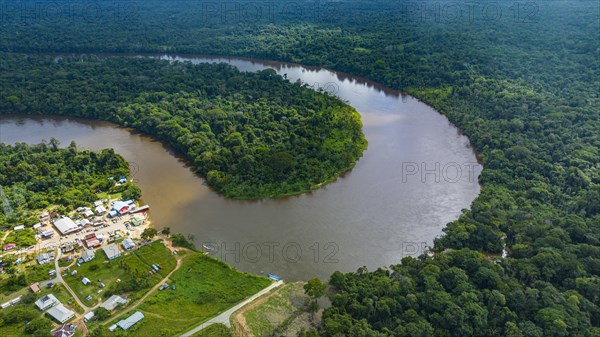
(417, 174)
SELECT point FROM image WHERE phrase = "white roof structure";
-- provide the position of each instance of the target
(98, 203)
(18, 228)
(89, 316)
(37, 225)
(112, 302)
(88, 213)
(46, 302)
(88, 255)
(86, 281)
(112, 251)
(65, 225)
(61, 313)
(128, 244)
(127, 323)
(45, 258)
(100, 210)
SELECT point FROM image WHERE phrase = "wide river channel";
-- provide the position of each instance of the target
(417, 175)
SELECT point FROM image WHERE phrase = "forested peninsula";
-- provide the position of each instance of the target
(252, 135)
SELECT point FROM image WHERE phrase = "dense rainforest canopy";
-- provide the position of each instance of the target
(250, 134)
(34, 177)
(520, 79)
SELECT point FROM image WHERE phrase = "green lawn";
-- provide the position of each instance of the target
(215, 330)
(204, 288)
(129, 269)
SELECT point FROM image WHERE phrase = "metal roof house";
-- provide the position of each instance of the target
(61, 313)
(45, 258)
(88, 255)
(46, 302)
(128, 244)
(112, 251)
(112, 302)
(9, 246)
(35, 287)
(127, 323)
(65, 225)
(100, 210)
(89, 316)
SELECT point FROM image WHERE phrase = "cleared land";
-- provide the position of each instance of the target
(204, 287)
(279, 313)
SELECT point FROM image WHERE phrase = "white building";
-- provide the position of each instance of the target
(112, 251)
(45, 258)
(112, 302)
(128, 244)
(61, 313)
(18, 228)
(100, 210)
(46, 302)
(89, 316)
(88, 255)
(86, 281)
(65, 225)
(97, 203)
(127, 323)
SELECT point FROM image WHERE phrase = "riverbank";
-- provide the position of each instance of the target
(400, 130)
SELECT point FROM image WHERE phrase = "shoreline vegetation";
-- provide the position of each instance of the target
(251, 135)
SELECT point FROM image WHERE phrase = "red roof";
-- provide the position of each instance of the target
(9, 246)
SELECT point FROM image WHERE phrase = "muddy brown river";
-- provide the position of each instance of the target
(417, 174)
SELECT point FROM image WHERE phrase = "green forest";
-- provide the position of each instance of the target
(35, 177)
(252, 135)
(520, 79)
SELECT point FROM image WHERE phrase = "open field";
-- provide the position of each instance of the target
(204, 287)
(126, 275)
(280, 312)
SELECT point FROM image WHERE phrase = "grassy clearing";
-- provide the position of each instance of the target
(23, 238)
(215, 330)
(132, 270)
(8, 295)
(204, 288)
(277, 312)
(35, 272)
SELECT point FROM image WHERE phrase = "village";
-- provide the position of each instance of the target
(105, 227)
